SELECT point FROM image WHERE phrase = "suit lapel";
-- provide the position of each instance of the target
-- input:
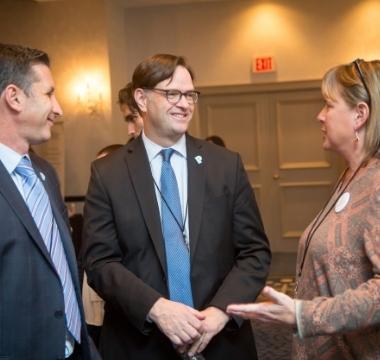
(196, 163)
(142, 180)
(21, 210)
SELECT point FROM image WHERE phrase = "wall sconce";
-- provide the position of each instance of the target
(89, 94)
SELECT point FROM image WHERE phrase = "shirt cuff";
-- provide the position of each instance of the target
(298, 318)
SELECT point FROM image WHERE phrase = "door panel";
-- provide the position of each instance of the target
(273, 127)
(297, 130)
(223, 120)
(299, 202)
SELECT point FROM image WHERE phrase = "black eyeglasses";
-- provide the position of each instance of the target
(359, 70)
(174, 96)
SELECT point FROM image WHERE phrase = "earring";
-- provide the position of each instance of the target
(356, 138)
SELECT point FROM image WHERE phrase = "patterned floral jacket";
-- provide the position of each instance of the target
(338, 315)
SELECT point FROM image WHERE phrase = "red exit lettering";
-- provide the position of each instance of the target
(263, 64)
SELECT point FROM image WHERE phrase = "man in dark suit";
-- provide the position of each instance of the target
(41, 317)
(172, 232)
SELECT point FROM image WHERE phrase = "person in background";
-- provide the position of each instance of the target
(216, 140)
(129, 111)
(41, 313)
(336, 308)
(93, 304)
(172, 232)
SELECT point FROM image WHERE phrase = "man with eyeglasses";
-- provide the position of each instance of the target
(129, 111)
(173, 233)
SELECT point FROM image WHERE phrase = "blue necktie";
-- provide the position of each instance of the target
(173, 227)
(39, 205)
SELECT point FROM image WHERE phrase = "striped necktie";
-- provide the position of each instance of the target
(39, 205)
(173, 227)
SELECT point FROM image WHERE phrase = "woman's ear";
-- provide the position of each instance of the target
(140, 99)
(362, 115)
(14, 97)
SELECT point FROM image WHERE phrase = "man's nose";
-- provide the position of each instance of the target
(131, 129)
(56, 107)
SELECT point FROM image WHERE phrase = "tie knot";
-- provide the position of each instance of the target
(167, 153)
(24, 168)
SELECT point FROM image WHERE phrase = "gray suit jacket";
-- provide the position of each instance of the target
(32, 317)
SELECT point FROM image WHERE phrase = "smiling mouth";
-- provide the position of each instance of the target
(180, 116)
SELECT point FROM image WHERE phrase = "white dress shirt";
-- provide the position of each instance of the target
(179, 164)
(10, 160)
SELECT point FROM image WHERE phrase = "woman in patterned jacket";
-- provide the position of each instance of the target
(336, 310)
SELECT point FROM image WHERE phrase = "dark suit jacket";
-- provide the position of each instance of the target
(125, 257)
(32, 317)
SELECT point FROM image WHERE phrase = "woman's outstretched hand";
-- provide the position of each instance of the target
(280, 308)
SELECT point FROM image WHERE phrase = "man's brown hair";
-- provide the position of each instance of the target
(155, 69)
(16, 65)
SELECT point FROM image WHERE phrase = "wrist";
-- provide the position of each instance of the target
(155, 309)
(222, 315)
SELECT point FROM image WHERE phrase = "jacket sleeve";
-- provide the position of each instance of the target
(252, 254)
(103, 258)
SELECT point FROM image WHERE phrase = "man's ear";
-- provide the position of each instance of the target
(362, 115)
(14, 97)
(141, 99)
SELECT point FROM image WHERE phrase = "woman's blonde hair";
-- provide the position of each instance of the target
(358, 82)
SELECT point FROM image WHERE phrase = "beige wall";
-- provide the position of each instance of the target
(74, 33)
(218, 38)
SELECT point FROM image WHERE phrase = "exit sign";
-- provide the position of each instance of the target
(263, 64)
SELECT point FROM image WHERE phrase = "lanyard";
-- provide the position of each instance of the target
(182, 226)
(319, 219)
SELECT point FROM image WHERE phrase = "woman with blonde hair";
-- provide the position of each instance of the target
(336, 310)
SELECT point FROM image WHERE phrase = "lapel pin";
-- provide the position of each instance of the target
(198, 159)
(43, 177)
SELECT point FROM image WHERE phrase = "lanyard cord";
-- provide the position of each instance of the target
(182, 227)
(319, 219)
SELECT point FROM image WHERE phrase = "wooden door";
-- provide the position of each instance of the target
(274, 128)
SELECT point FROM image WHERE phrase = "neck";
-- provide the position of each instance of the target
(354, 154)
(13, 142)
(355, 160)
(9, 135)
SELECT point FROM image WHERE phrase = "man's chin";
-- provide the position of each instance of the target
(181, 128)
(41, 139)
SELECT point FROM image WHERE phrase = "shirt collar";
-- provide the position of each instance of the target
(154, 149)
(10, 158)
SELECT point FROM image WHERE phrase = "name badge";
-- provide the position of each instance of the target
(342, 202)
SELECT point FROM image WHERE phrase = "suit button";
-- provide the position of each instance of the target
(58, 314)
